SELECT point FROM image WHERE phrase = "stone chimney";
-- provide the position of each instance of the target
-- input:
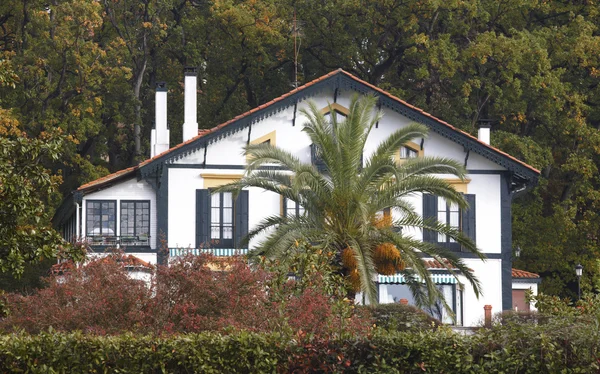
(484, 132)
(159, 138)
(190, 124)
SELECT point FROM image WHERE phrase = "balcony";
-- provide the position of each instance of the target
(121, 242)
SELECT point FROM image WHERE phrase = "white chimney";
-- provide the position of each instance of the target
(159, 138)
(484, 133)
(190, 124)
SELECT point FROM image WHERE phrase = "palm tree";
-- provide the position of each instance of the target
(343, 200)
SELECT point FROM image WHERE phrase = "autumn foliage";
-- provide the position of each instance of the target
(193, 294)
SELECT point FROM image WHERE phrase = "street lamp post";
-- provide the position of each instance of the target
(578, 273)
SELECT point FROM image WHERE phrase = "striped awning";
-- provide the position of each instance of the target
(219, 252)
(437, 278)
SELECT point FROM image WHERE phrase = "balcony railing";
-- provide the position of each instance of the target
(219, 252)
(118, 241)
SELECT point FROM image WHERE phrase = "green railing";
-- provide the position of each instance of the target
(219, 252)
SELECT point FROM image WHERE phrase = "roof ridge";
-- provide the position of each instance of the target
(282, 97)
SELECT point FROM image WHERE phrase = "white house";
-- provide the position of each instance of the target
(162, 207)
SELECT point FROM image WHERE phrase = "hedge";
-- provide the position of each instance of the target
(551, 348)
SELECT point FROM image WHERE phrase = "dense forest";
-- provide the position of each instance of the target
(80, 75)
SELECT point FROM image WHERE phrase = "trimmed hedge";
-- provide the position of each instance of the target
(400, 317)
(550, 348)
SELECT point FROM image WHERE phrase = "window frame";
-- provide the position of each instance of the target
(284, 208)
(448, 211)
(467, 221)
(411, 146)
(135, 202)
(220, 242)
(87, 218)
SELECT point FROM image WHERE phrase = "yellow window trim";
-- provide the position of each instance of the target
(459, 185)
(217, 180)
(336, 107)
(270, 137)
(414, 146)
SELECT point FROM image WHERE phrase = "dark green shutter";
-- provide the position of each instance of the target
(202, 219)
(241, 218)
(429, 213)
(468, 217)
(284, 206)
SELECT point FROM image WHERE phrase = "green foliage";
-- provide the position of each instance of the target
(25, 186)
(528, 348)
(400, 317)
(531, 67)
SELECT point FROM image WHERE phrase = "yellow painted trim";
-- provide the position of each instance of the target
(414, 146)
(337, 107)
(281, 212)
(217, 180)
(459, 185)
(270, 136)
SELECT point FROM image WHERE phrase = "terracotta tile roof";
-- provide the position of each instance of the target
(62, 268)
(108, 178)
(516, 273)
(204, 132)
(129, 261)
(435, 265)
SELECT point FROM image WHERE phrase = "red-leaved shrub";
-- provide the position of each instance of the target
(99, 297)
(193, 294)
(200, 293)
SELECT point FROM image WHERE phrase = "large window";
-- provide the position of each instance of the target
(438, 209)
(221, 219)
(448, 214)
(135, 219)
(101, 218)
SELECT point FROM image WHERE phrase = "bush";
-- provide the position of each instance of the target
(194, 294)
(401, 317)
(97, 298)
(564, 348)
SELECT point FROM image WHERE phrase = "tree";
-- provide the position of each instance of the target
(25, 187)
(344, 198)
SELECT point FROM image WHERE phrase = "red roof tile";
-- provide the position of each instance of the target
(435, 264)
(203, 132)
(516, 273)
(128, 261)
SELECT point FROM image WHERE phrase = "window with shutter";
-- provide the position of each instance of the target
(221, 222)
(437, 208)
(291, 209)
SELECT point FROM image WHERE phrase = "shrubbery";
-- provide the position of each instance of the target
(400, 317)
(509, 349)
(194, 294)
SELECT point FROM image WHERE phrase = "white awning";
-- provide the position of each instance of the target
(437, 278)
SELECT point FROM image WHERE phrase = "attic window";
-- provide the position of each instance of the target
(265, 139)
(408, 151)
(340, 111)
(268, 139)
